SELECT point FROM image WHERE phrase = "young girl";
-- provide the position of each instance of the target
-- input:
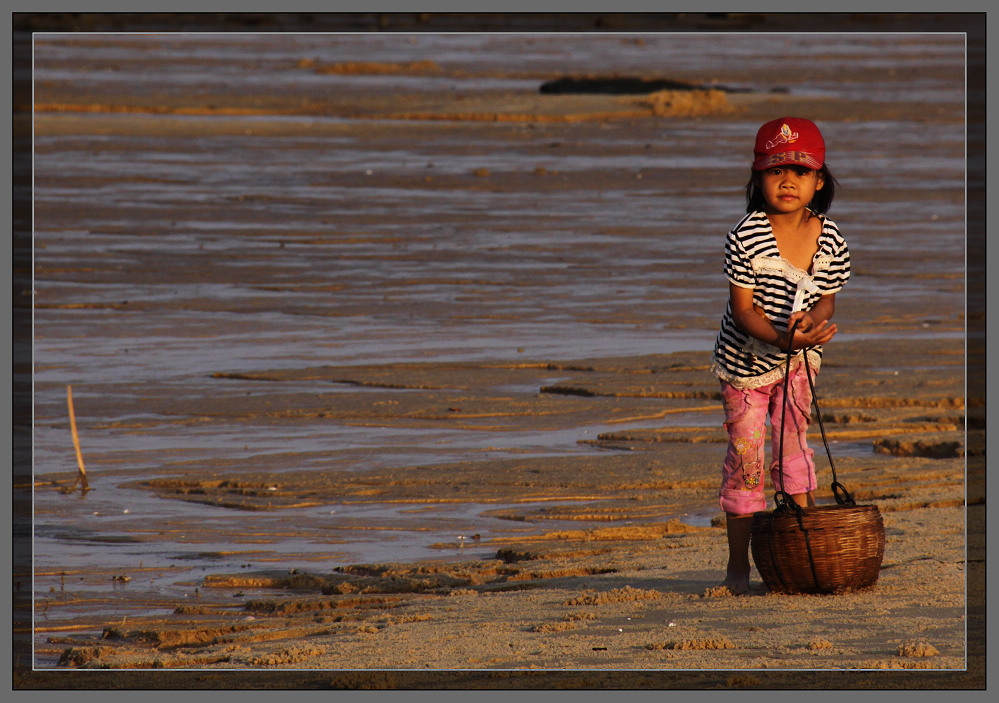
(785, 261)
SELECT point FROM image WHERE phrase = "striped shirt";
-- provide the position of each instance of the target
(752, 260)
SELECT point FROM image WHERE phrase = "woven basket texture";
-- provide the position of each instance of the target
(825, 549)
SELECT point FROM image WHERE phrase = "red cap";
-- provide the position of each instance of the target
(789, 140)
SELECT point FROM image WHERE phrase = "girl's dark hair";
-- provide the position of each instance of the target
(820, 202)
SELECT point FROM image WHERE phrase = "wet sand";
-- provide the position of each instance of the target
(636, 593)
(596, 476)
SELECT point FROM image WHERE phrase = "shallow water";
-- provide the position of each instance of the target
(237, 250)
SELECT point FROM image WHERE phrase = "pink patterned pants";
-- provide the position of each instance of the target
(746, 412)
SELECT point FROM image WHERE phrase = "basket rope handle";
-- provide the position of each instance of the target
(842, 495)
(782, 499)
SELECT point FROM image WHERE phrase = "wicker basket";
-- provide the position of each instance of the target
(823, 549)
(826, 549)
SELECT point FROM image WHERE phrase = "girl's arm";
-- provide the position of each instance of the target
(813, 329)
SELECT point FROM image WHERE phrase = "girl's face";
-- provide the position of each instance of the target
(787, 189)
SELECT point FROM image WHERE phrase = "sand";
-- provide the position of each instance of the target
(627, 599)
(639, 594)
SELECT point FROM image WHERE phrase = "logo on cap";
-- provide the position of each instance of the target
(785, 136)
(792, 157)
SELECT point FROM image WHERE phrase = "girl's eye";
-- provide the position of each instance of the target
(799, 171)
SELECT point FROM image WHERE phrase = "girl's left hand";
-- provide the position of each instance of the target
(809, 332)
(804, 320)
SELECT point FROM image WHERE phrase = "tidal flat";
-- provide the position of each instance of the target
(398, 365)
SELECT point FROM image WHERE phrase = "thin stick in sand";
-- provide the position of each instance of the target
(76, 437)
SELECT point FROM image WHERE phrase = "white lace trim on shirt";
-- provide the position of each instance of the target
(778, 265)
(771, 376)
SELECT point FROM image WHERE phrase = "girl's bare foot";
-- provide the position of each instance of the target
(738, 584)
